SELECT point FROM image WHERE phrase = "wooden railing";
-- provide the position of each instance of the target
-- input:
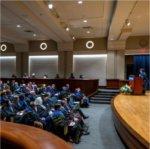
(19, 136)
(131, 119)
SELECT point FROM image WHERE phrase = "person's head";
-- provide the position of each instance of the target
(45, 76)
(1, 82)
(21, 97)
(81, 76)
(15, 99)
(57, 75)
(78, 89)
(8, 92)
(67, 85)
(45, 97)
(141, 70)
(32, 93)
(71, 75)
(32, 104)
(57, 106)
(38, 101)
(53, 86)
(5, 103)
(63, 103)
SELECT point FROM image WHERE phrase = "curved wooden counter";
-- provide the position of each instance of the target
(26, 137)
(131, 117)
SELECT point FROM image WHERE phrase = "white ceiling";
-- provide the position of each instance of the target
(103, 19)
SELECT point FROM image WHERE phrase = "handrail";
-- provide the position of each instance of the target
(28, 137)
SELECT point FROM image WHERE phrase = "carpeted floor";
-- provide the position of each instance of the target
(102, 131)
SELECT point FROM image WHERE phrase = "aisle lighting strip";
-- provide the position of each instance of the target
(43, 56)
(7, 57)
(90, 56)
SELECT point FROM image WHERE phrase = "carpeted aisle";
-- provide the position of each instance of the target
(102, 131)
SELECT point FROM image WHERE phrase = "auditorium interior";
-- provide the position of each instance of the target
(74, 74)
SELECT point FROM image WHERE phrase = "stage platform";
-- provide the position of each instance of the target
(132, 119)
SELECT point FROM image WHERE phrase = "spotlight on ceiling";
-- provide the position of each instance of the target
(50, 6)
(85, 21)
(34, 35)
(88, 32)
(67, 29)
(128, 23)
(18, 25)
(80, 2)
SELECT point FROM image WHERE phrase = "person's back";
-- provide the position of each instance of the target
(57, 116)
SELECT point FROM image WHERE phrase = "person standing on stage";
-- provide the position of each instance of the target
(143, 75)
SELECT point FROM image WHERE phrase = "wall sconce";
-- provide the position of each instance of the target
(3, 47)
(43, 46)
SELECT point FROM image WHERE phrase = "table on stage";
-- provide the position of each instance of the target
(88, 86)
(131, 117)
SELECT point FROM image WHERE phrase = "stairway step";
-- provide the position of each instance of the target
(104, 99)
(99, 96)
(109, 90)
(108, 93)
(100, 102)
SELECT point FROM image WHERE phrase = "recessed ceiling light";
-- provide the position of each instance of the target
(67, 29)
(50, 6)
(85, 21)
(18, 25)
(80, 2)
(88, 32)
(128, 24)
(34, 35)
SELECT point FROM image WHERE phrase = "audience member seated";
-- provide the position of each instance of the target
(45, 107)
(79, 96)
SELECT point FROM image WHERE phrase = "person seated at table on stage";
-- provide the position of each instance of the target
(57, 76)
(79, 96)
(81, 76)
(25, 75)
(33, 76)
(14, 76)
(45, 77)
(143, 75)
(72, 76)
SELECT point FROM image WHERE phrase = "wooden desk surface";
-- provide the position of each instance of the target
(134, 112)
(27, 137)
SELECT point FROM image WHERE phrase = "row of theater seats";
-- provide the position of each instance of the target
(57, 111)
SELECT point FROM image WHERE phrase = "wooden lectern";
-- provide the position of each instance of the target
(137, 85)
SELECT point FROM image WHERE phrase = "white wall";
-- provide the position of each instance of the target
(41, 65)
(7, 66)
(91, 66)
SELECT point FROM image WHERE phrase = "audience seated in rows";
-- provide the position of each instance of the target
(45, 106)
